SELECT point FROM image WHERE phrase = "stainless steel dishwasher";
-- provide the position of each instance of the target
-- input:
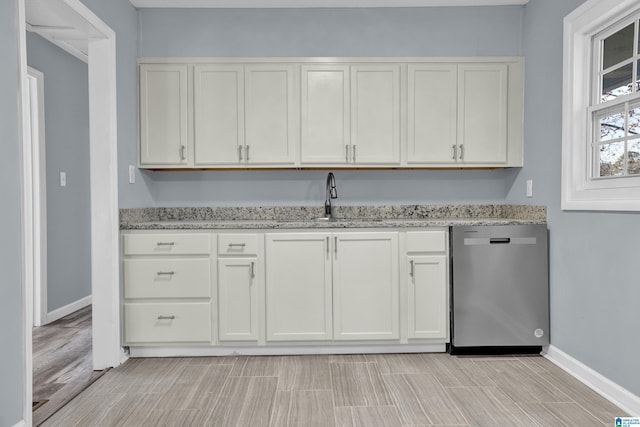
(500, 289)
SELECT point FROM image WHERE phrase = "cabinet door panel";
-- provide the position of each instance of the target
(365, 279)
(427, 297)
(325, 114)
(298, 287)
(270, 114)
(375, 114)
(432, 113)
(482, 113)
(237, 299)
(163, 114)
(219, 114)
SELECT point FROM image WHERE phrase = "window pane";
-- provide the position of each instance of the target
(633, 122)
(617, 82)
(633, 165)
(611, 159)
(612, 126)
(618, 47)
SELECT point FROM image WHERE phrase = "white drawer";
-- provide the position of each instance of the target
(237, 244)
(167, 244)
(427, 241)
(167, 278)
(167, 323)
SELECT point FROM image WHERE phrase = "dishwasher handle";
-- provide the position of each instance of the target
(500, 240)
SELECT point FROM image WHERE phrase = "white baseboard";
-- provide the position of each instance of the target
(22, 423)
(611, 391)
(59, 313)
(281, 350)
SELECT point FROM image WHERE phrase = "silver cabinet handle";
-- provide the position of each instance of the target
(165, 243)
(354, 153)
(246, 150)
(165, 273)
(253, 269)
(346, 150)
(166, 317)
(327, 245)
(461, 151)
(182, 154)
(411, 268)
(239, 153)
(335, 245)
(242, 245)
(455, 151)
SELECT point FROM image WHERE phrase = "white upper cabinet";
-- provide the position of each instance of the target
(482, 113)
(270, 114)
(432, 113)
(331, 113)
(325, 114)
(375, 114)
(163, 115)
(218, 97)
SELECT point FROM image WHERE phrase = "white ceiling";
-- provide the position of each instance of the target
(58, 23)
(318, 3)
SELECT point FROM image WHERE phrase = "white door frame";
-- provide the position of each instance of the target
(107, 351)
(35, 166)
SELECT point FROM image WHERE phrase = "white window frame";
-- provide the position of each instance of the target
(579, 190)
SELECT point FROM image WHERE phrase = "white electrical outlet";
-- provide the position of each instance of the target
(63, 179)
(132, 174)
(529, 188)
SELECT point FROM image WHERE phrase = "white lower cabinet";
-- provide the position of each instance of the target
(280, 288)
(240, 278)
(427, 284)
(365, 281)
(298, 287)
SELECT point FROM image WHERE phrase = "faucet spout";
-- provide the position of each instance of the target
(332, 193)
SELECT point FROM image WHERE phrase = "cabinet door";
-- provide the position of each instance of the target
(375, 114)
(298, 287)
(482, 113)
(432, 96)
(163, 114)
(238, 299)
(365, 280)
(219, 114)
(270, 114)
(325, 114)
(427, 297)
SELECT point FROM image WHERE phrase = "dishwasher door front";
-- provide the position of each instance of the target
(500, 290)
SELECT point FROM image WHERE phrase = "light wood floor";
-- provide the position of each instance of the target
(62, 362)
(358, 390)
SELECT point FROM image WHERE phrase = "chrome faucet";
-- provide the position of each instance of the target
(332, 193)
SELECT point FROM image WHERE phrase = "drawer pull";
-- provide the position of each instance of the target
(166, 273)
(242, 245)
(166, 317)
(165, 243)
(411, 268)
(253, 269)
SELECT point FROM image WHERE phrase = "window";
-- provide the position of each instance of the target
(601, 106)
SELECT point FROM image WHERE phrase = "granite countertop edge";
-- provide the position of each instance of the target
(395, 216)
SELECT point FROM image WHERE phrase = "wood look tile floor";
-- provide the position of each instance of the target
(62, 362)
(342, 391)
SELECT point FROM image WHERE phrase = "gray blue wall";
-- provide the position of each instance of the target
(66, 97)
(328, 32)
(11, 303)
(595, 286)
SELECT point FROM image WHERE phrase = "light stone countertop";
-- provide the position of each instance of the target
(304, 217)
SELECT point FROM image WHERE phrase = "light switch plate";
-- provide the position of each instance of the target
(132, 174)
(63, 179)
(529, 188)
